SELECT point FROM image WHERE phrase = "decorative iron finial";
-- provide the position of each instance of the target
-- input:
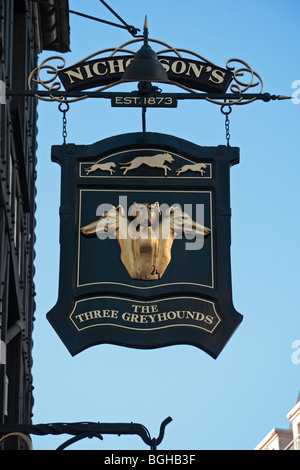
(146, 31)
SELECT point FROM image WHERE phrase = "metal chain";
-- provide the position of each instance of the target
(226, 113)
(64, 120)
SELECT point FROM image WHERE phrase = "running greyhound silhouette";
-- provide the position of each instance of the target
(199, 167)
(155, 161)
(108, 166)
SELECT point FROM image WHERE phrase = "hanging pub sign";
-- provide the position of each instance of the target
(145, 217)
(145, 244)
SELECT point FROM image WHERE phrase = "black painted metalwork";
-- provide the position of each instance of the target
(145, 65)
(94, 277)
(131, 29)
(87, 430)
(266, 97)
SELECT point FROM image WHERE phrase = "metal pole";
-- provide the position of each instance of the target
(180, 96)
(86, 429)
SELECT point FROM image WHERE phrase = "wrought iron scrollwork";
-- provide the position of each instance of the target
(239, 85)
(49, 84)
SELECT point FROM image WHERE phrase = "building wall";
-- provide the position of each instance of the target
(23, 28)
(277, 439)
(284, 439)
(294, 417)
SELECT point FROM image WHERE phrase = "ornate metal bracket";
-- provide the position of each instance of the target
(245, 79)
(81, 431)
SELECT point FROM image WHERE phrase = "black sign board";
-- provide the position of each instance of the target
(145, 244)
(136, 101)
(203, 76)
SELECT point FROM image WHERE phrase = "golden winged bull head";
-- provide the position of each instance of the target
(146, 236)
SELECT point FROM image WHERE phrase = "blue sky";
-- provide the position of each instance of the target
(234, 401)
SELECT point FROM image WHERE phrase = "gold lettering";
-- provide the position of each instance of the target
(208, 319)
(180, 314)
(171, 315)
(96, 68)
(162, 316)
(151, 100)
(218, 75)
(152, 318)
(134, 318)
(117, 63)
(80, 315)
(194, 68)
(199, 316)
(88, 72)
(189, 315)
(144, 308)
(142, 315)
(165, 64)
(86, 316)
(97, 314)
(178, 70)
(128, 62)
(72, 73)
